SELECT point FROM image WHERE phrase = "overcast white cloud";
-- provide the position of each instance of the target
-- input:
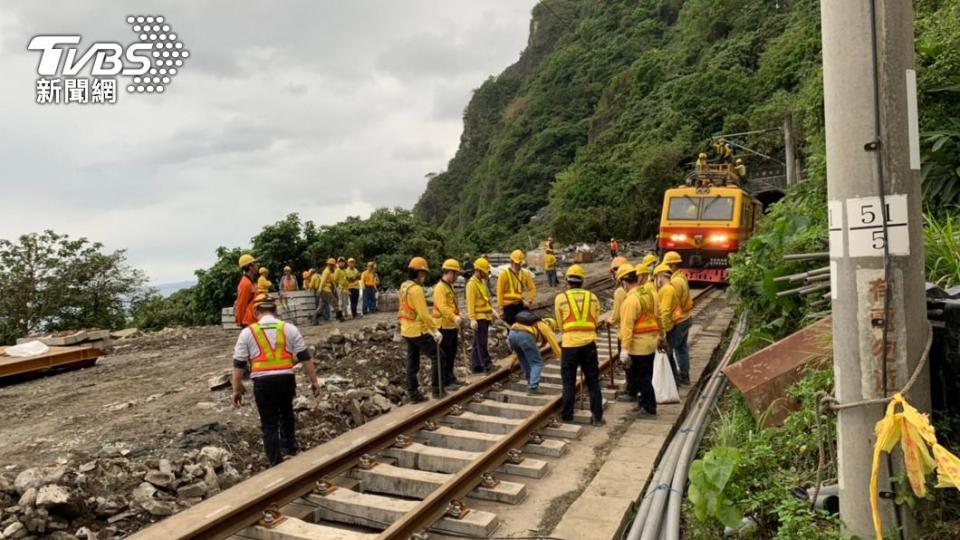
(326, 108)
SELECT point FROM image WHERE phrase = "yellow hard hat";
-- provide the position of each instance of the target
(263, 299)
(642, 269)
(516, 256)
(306, 274)
(672, 257)
(482, 264)
(287, 269)
(575, 272)
(661, 269)
(331, 260)
(264, 271)
(649, 259)
(739, 161)
(351, 260)
(341, 259)
(702, 155)
(418, 263)
(551, 322)
(246, 259)
(451, 264)
(617, 262)
(624, 269)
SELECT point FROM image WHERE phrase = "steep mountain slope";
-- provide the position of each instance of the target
(608, 105)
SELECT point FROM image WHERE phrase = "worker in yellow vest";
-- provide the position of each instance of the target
(480, 312)
(419, 330)
(577, 311)
(650, 262)
(618, 293)
(675, 314)
(263, 282)
(550, 267)
(639, 338)
(512, 284)
(269, 349)
(447, 314)
(326, 286)
(370, 281)
(340, 286)
(525, 338)
(352, 274)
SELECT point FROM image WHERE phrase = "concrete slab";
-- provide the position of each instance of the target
(295, 529)
(521, 398)
(378, 512)
(389, 480)
(500, 426)
(555, 389)
(458, 439)
(592, 516)
(549, 448)
(503, 410)
(427, 458)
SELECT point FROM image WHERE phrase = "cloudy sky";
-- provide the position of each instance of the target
(322, 107)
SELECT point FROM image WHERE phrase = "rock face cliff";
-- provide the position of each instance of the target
(609, 104)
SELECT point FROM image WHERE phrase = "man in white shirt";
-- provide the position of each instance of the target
(269, 349)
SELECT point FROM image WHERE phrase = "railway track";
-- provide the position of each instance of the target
(405, 474)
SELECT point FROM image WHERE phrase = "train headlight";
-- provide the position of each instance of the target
(718, 238)
(678, 237)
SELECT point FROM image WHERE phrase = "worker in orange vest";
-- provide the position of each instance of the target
(288, 282)
(246, 292)
(614, 248)
(270, 348)
(639, 337)
(419, 330)
(577, 311)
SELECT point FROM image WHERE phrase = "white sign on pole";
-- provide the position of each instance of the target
(865, 220)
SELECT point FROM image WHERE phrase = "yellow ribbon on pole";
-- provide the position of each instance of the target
(913, 430)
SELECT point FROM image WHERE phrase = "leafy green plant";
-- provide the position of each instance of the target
(708, 481)
(942, 248)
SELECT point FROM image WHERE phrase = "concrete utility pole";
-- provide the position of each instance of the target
(790, 146)
(871, 123)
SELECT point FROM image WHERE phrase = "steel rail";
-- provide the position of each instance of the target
(432, 508)
(232, 510)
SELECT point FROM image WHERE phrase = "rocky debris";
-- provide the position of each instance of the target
(160, 479)
(59, 500)
(38, 477)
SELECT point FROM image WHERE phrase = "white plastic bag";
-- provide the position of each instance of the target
(664, 386)
(30, 348)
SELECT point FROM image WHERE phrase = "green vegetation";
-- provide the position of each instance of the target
(765, 463)
(389, 237)
(610, 104)
(51, 282)
(708, 479)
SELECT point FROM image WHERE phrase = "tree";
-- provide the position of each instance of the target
(51, 282)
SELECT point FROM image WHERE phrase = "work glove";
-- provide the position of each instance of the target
(437, 336)
(458, 320)
(662, 344)
(473, 325)
(625, 359)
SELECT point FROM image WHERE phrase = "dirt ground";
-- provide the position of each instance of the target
(149, 398)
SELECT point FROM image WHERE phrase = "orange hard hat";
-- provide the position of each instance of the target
(331, 260)
(617, 262)
(418, 263)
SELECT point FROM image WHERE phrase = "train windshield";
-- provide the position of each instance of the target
(685, 207)
(717, 209)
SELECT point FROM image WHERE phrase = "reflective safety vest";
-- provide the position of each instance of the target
(483, 296)
(647, 320)
(514, 292)
(453, 295)
(580, 318)
(406, 310)
(684, 303)
(270, 358)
